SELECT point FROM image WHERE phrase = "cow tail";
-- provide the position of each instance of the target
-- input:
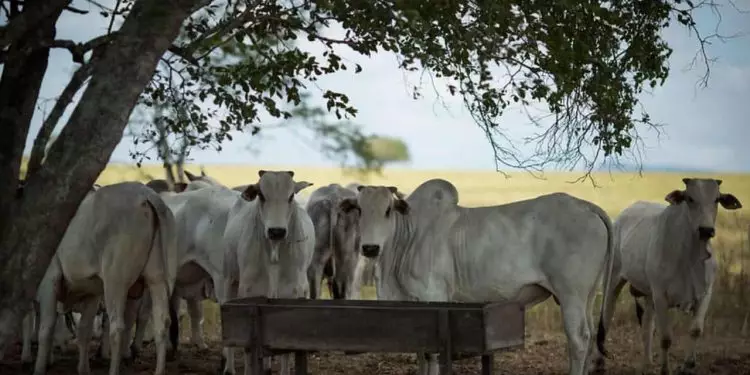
(167, 236)
(601, 333)
(334, 215)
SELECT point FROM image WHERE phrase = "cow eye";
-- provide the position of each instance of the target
(291, 197)
(388, 212)
(261, 197)
(689, 199)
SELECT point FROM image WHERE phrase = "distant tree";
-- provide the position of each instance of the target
(587, 61)
(388, 150)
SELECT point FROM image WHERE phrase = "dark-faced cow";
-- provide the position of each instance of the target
(336, 243)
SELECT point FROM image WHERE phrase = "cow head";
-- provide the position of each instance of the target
(275, 194)
(375, 206)
(701, 196)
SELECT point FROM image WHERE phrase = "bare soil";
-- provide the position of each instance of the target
(544, 354)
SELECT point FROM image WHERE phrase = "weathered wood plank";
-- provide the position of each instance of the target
(446, 345)
(372, 326)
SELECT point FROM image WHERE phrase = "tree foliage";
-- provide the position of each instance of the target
(586, 61)
(388, 150)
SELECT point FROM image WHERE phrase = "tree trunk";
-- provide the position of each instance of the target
(19, 89)
(82, 150)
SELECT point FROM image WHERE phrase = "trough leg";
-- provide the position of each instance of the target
(446, 353)
(300, 363)
(487, 363)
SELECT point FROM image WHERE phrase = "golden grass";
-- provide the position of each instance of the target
(615, 192)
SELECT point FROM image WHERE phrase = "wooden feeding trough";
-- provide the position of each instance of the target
(265, 326)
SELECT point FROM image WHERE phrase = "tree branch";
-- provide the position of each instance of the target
(38, 150)
(27, 21)
(76, 10)
(77, 50)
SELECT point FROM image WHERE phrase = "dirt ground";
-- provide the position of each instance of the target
(541, 355)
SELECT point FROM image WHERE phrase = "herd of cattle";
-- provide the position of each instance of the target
(133, 250)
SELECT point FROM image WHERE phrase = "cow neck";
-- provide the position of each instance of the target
(685, 273)
(396, 259)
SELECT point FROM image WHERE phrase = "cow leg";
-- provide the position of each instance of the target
(47, 320)
(696, 330)
(612, 293)
(115, 301)
(174, 326)
(647, 334)
(315, 271)
(26, 331)
(84, 331)
(104, 347)
(195, 310)
(159, 292)
(662, 321)
(575, 322)
(141, 322)
(131, 312)
(227, 360)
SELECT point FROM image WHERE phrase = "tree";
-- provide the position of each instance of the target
(586, 60)
(388, 149)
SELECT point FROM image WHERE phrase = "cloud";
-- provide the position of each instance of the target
(706, 128)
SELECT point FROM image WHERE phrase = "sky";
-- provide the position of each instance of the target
(706, 128)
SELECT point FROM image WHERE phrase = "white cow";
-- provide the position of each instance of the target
(429, 248)
(664, 252)
(336, 243)
(200, 215)
(120, 240)
(269, 244)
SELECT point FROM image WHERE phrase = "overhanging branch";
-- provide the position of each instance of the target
(38, 150)
(77, 50)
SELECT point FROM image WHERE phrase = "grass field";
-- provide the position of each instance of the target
(726, 323)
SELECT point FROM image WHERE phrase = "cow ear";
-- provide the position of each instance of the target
(299, 185)
(360, 187)
(291, 173)
(261, 172)
(401, 206)
(729, 201)
(718, 182)
(179, 187)
(686, 180)
(675, 197)
(348, 204)
(191, 177)
(251, 192)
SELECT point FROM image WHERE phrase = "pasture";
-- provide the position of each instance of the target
(724, 349)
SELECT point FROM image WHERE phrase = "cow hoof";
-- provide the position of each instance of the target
(171, 355)
(126, 362)
(134, 352)
(687, 369)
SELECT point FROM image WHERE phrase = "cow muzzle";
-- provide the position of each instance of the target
(276, 234)
(706, 233)
(371, 251)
